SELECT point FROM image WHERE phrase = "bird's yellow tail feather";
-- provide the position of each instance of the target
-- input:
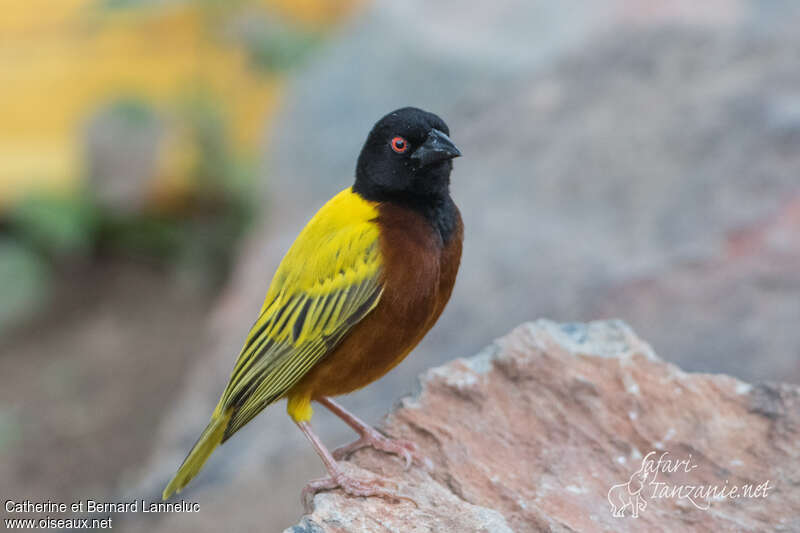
(208, 441)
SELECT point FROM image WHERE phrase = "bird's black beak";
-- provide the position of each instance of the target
(437, 147)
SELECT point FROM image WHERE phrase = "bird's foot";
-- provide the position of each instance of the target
(352, 485)
(371, 437)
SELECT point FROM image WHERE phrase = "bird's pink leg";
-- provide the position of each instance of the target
(338, 478)
(369, 436)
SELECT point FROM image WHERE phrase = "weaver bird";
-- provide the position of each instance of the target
(363, 283)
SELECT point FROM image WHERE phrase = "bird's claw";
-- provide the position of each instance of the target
(353, 486)
(406, 449)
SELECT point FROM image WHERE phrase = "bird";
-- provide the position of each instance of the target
(359, 288)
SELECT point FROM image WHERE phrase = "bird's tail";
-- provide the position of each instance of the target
(208, 441)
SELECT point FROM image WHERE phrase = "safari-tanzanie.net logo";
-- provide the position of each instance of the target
(648, 483)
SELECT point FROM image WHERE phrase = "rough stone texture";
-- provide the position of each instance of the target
(533, 433)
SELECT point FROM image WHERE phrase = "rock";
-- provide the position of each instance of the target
(121, 180)
(549, 426)
(751, 283)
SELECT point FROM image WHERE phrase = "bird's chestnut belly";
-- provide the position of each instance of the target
(371, 349)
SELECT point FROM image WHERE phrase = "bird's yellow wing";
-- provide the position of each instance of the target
(327, 282)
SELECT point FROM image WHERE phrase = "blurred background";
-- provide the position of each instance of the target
(629, 158)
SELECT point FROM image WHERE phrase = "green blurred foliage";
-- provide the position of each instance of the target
(55, 225)
(276, 47)
(202, 243)
(25, 282)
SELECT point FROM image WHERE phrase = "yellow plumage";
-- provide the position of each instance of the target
(327, 282)
(208, 441)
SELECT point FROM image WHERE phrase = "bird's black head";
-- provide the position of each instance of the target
(407, 158)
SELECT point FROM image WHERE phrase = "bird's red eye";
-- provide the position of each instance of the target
(399, 145)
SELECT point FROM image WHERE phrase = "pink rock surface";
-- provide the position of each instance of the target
(554, 423)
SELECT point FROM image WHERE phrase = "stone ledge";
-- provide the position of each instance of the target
(542, 429)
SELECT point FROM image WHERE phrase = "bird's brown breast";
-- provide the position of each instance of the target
(419, 271)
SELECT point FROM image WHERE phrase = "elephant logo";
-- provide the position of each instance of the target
(629, 495)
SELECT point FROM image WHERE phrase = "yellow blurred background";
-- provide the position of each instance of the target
(63, 60)
(114, 112)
